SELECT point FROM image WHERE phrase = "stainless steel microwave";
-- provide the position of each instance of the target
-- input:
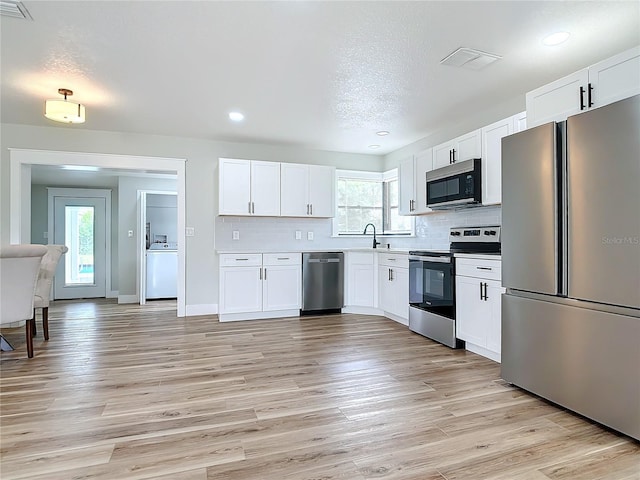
(454, 186)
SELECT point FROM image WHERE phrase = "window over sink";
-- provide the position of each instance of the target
(369, 197)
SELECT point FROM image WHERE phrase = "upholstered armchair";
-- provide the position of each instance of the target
(19, 267)
(43, 287)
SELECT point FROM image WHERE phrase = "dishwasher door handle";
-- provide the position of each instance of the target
(323, 260)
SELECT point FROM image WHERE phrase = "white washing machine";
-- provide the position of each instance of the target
(162, 271)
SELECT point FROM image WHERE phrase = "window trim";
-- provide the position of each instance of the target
(375, 176)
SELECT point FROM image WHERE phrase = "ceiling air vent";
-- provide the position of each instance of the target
(13, 9)
(469, 58)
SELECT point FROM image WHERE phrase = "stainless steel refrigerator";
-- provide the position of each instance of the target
(571, 263)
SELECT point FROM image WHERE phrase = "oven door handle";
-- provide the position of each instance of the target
(430, 259)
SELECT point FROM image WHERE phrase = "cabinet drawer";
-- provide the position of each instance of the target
(478, 268)
(393, 260)
(271, 259)
(241, 260)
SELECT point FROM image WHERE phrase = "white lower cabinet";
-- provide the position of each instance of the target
(260, 285)
(478, 305)
(361, 280)
(393, 286)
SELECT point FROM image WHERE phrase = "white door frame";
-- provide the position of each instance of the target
(142, 248)
(53, 192)
(20, 191)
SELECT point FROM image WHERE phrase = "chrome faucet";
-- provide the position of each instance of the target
(375, 242)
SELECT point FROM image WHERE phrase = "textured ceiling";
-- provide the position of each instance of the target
(322, 75)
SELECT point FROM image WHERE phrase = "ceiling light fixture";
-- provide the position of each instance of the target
(382, 133)
(63, 110)
(555, 38)
(236, 116)
(373, 147)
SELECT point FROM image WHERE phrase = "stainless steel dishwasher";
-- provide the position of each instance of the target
(322, 282)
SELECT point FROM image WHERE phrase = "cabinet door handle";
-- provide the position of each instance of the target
(260, 273)
(450, 157)
(253, 207)
(249, 207)
(481, 291)
(484, 268)
(311, 208)
(391, 273)
(283, 258)
(307, 209)
(590, 89)
(582, 107)
(453, 155)
(486, 296)
(265, 273)
(241, 259)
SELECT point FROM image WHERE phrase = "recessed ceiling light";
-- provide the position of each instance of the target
(382, 133)
(555, 38)
(236, 116)
(373, 147)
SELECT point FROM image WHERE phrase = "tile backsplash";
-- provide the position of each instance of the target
(279, 233)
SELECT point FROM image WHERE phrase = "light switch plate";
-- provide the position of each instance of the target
(298, 235)
(309, 235)
(236, 235)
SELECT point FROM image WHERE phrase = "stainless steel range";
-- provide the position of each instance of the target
(432, 307)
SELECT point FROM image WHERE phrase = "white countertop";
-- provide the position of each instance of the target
(353, 249)
(482, 256)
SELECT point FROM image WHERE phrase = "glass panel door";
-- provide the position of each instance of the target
(79, 237)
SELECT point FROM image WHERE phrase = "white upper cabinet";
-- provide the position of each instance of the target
(412, 183)
(248, 187)
(265, 188)
(307, 190)
(492, 136)
(461, 148)
(406, 186)
(423, 164)
(605, 82)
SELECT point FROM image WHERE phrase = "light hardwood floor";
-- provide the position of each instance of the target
(131, 392)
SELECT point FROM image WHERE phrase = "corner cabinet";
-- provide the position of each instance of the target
(260, 285)
(248, 187)
(412, 183)
(478, 305)
(361, 280)
(461, 148)
(491, 162)
(307, 190)
(605, 82)
(393, 286)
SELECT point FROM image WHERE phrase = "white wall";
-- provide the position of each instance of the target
(201, 176)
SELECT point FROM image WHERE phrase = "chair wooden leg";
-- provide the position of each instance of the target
(29, 333)
(34, 330)
(45, 322)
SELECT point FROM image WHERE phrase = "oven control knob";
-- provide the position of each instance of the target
(489, 232)
(455, 233)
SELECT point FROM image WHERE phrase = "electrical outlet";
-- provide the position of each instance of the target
(298, 235)
(236, 235)
(309, 235)
(130, 233)
(45, 235)
(189, 231)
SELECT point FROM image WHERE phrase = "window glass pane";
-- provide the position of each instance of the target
(79, 267)
(359, 203)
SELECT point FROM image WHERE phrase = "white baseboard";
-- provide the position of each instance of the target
(128, 299)
(362, 310)
(201, 309)
(496, 357)
(234, 317)
(395, 318)
(112, 294)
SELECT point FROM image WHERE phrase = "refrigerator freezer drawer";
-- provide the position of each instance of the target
(584, 360)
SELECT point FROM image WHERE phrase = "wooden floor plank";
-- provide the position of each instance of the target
(127, 392)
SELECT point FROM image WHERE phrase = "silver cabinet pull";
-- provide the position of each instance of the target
(249, 207)
(253, 207)
(311, 208)
(260, 274)
(265, 273)
(391, 274)
(283, 258)
(241, 259)
(307, 209)
(484, 268)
